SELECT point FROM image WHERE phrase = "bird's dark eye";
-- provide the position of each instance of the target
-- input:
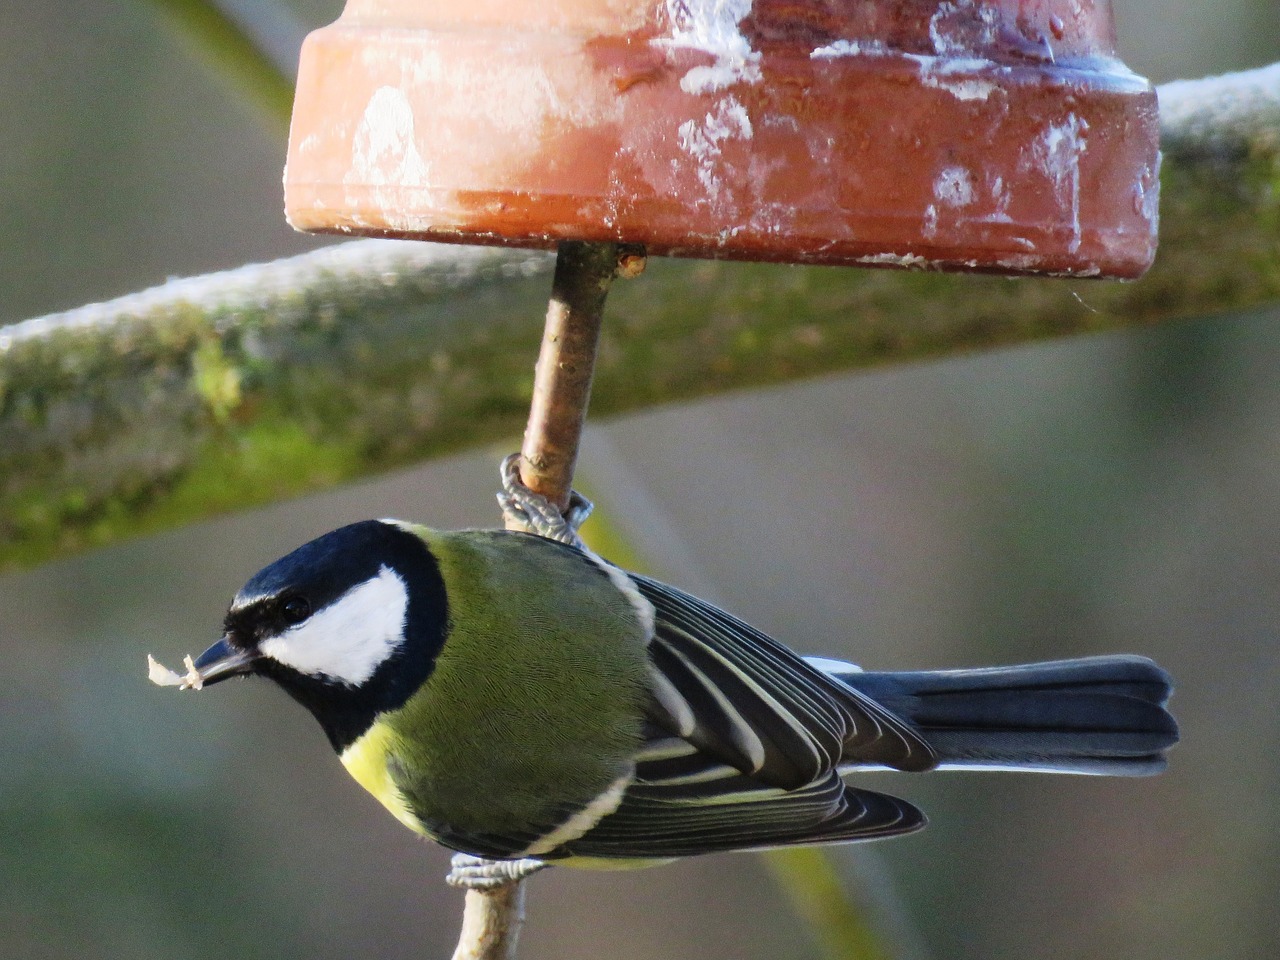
(295, 610)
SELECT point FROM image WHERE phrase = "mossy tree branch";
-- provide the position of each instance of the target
(243, 388)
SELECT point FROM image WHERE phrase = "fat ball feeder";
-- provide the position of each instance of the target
(994, 135)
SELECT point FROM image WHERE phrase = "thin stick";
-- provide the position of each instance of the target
(562, 380)
(491, 919)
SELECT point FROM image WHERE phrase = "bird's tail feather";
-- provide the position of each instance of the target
(1099, 715)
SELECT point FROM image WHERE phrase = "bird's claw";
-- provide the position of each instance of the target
(477, 873)
(538, 514)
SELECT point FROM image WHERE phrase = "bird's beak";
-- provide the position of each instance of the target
(219, 662)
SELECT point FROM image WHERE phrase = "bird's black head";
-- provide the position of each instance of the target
(349, 624)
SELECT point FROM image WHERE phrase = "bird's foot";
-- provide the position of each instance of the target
(538, 514)
(477, 873)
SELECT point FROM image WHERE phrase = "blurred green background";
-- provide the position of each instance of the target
(1119, 492)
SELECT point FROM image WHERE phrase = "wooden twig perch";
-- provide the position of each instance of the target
(246, 387)
(566, 362)
(491, 921)
(561, 391)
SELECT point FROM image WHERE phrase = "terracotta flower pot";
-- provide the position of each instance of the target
(995, 135)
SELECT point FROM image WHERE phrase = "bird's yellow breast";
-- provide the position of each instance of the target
(366, 761)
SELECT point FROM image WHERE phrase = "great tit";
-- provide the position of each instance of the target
(510, 696)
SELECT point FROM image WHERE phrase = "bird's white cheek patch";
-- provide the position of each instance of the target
(350, 638)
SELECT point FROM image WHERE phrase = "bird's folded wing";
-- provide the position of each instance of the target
(519, 836)
(748, 701)
(662, 819)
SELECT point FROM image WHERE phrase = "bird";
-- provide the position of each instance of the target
(526, 703)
